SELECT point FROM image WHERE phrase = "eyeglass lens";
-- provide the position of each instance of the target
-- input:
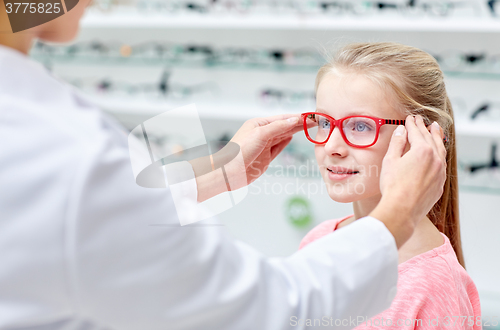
(359, 131)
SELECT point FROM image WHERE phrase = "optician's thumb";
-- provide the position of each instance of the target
(398, 143)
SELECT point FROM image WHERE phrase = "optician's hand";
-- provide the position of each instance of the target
(260, 141)
(412, 182)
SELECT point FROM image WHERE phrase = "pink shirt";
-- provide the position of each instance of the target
(434, 291)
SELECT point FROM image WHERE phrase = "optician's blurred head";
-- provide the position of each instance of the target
(389, 81)
(64, 28)
(60, 30)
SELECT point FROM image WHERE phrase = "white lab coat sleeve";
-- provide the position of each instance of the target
(131, 266)
(185, 188)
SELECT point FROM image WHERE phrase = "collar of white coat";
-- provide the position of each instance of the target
(23, 78)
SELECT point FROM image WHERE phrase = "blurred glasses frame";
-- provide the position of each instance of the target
(492, 5)
(338, 122)
(272, 96)
(487, 111)
(189, 53)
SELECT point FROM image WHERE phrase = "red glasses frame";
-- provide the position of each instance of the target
(338, 123)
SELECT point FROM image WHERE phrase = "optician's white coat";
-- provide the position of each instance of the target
(78, 249)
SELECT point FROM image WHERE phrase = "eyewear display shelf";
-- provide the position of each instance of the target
(215, 64)
(437, 35)
(318, 22)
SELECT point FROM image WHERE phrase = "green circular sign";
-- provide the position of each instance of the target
(298, 211)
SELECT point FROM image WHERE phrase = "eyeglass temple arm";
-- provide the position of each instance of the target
(402, 122)
(394, 121)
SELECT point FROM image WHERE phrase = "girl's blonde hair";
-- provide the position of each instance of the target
(417, 82)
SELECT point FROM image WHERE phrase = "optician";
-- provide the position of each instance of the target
(78, 251)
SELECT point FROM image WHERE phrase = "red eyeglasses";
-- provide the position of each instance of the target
(357, 131)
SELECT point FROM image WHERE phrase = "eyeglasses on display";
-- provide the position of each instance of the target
(407, 8)
(487, 111)
(493, 6)
(162, 88)
(282, 97)
(484, 176)
(357, 131)
(200, 7)
(493, 163)
(358, 8)
(166, 53)
(453, 60)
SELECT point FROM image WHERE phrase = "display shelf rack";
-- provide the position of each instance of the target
(216, 65)
(239, 112)
(478, 128)
(174, 63)
(244, 111)
(95, 19)
(477, 189)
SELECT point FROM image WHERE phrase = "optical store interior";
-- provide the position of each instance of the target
(242, 59)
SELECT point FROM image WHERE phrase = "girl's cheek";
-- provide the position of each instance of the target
(373, 166)
(319, 153)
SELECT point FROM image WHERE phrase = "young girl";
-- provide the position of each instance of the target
(362, 94)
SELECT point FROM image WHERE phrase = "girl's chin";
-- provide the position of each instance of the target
(352, 196)
(346, 193)
(344, 198)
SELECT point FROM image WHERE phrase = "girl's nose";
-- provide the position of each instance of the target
(336, 143)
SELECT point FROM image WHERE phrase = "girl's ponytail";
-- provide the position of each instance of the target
(445, 213)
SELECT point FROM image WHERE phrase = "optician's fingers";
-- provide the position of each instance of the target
(291, 132)
(277, 128)
(417, 133)
(398, 143)
(414, 133)
(262, 121)
(438, 135)
(278, 148)
(419, 121)
(299, 128)
(277, 140)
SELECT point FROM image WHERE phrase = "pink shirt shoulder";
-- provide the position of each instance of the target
(434, 290)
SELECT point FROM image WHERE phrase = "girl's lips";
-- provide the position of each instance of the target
(340, 176)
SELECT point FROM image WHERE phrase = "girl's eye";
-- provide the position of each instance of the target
(361, 126)
(324, 123)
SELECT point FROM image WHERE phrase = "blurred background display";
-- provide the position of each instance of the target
(239, 59)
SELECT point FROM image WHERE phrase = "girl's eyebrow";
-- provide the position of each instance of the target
(354, 113)
(322, 111)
